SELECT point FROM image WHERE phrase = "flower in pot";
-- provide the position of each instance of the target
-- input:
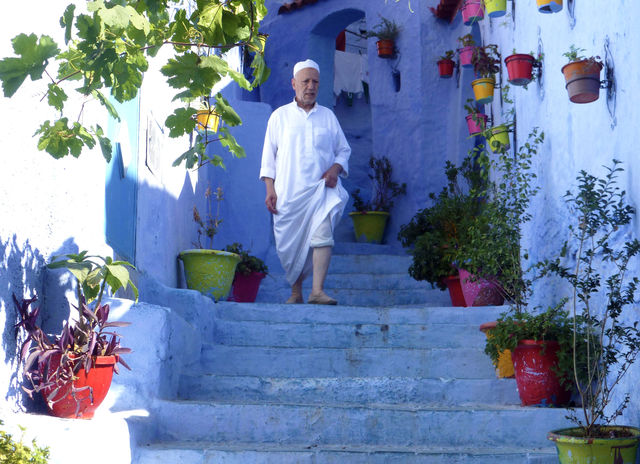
(209, 271)
(249, 273)
(467, 45)
(446, 64)
(472, 12)
(370, 218)
(386, 31)
(476, 120)
(594, 262)
(520, 67)
(73, 370)
(582, 76)
(486, 62)
(495, 8)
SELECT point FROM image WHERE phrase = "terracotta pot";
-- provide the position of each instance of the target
(483, 89)
(445, 68)
(455, 290)
(504, 367)
(537, 383)
(465, 54)
(385, 48)
(245, 287)
(583, 80)
(91, 389)
(476, 125)
(472, 12)
(519, 67)
(574, 448)
(480, 292)
(549, 6)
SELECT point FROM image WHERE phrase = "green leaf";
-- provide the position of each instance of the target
(56, 97)
(60, 140)
(119, 274)
(181, 122)
(191, 156)
(66, 21)
(228, 114)
(105, 143)
(34, 56)
(104, 101)
(186, 71)
(229, 141)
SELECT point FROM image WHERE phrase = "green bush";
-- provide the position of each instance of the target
(12, 452)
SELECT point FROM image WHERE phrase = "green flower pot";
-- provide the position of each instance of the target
(210, 272)
(574, 449)
(369, 226)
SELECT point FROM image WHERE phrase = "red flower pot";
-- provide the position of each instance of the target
(455, 290)
(519, 67)
(472, 12)
(445, 68)
(245, 287)
(480, 292)
(91, 389)
(537, 384)
(385, 48)
(465, 54)
(476, 125)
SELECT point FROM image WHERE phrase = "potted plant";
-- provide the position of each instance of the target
(370, 218)
(73, 370)
(497, 137)
(495, 8)
(446, 64)
(520, 67)
(472, 12)
(467, 45)
(549, 6)
(582, 76)
(249, 273)
(209, 271)
(386, 32)
(486, 62)
(594, 262)
(476, 120)
(207, 120)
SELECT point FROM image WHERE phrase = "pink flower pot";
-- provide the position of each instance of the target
(477, 125)
(465, 54)
(245, 287)
(472, 12)
(480, 292)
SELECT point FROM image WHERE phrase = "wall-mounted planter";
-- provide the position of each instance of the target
(472, 12)
(520, 68)
(476, 123)
(495, 8)
(465, 54)
(206, 120)
(445, 68)
(483, 89)
(583, 80)
(385, 48)
(498, 139)
(549, 6)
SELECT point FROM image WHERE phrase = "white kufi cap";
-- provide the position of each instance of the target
(300, 65)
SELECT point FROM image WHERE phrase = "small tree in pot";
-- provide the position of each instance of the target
(486, 63)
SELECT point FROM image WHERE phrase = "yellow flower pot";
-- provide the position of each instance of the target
(483, 89)
(504, 367)
(498, 140)
(549, 6)
(206, 120)
(576, 449)
(369, 226)
(211, 272)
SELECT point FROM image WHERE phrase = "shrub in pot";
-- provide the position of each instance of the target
(467, 45)
(386, 31)
(476, 120)
(582, 76)
(73, 370)
(249, 273)
(446, 65)
(370, 218)
(486, 63)
(594, 262)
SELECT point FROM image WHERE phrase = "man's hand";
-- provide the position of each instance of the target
(271, 198)
(331, 175)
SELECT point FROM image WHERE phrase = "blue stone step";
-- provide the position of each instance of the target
(372, 264)
(462, 363)
(358, 281)
(221, 453)
(365, 297)
(349, 426)
(359, 391)
(337, 335)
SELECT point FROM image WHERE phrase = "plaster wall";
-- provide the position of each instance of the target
(578, 136)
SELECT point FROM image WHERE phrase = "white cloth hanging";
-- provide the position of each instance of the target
(347, 73)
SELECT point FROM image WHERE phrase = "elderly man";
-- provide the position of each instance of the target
(304, 153)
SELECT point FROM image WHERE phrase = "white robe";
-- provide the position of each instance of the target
(298, 148)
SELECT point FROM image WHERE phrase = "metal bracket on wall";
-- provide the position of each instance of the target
(457, 73)
(395, 72)
(539, 74)
(513, 14)
(609, 82)
(571, 10)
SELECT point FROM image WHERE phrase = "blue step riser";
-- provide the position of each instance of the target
(308, 425)
(354, 281)
(352, 362)
(350, 390)
(248, 333)
(377, 264)
(371, 297)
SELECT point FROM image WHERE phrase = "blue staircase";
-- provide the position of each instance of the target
(393, 374)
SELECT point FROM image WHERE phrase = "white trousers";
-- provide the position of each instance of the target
(323, 236)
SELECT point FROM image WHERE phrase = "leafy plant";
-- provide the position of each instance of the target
(472, 109)
(448, 55)
(486, 60)
(575, 54)
(108, 50)
(248, 263)
(384, 189)
(467, 40)
(81, 340)
(208, 227)
(594, 261)
(16, 452)
(386, 29)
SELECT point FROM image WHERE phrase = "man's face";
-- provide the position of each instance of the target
(305, 83)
